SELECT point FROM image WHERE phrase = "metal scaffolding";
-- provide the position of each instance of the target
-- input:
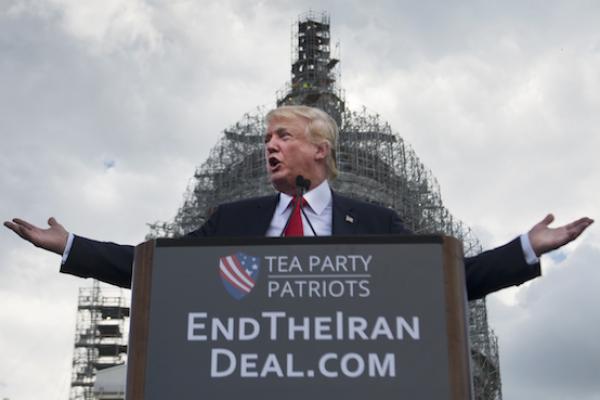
(376, 165)
(100, 337)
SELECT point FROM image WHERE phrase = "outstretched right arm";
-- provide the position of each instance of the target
(106, 261)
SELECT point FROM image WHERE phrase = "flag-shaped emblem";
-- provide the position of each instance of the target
(239, 273)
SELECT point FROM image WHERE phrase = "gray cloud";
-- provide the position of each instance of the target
(548, 339)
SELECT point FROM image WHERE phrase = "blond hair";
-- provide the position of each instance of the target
(320, 128)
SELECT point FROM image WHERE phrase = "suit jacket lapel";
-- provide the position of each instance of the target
(262, 216)
(344, 218)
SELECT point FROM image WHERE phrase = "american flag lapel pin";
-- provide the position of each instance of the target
(349, 219)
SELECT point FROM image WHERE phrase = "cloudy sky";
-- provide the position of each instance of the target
(107, 107)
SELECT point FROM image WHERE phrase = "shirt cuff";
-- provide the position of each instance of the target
(528, 252)
(67, 248)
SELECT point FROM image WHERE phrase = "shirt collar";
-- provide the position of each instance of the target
(318, 199)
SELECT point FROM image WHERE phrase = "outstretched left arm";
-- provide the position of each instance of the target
(506, 265)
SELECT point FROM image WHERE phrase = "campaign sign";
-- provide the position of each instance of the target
(305, 319)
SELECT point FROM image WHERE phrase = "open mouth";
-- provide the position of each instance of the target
(274, 163)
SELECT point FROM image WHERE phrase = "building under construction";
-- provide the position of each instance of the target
(100, 338)
(376, 165)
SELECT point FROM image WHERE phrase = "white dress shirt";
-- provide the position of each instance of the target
(319, 210)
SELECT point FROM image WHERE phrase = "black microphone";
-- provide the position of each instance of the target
(303, 184)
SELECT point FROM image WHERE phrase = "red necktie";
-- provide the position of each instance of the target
(295, 227)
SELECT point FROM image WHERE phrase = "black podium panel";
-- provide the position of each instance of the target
(308, 318)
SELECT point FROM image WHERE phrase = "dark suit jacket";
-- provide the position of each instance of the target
(485, 273)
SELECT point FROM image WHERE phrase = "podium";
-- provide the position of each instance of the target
(377, 317)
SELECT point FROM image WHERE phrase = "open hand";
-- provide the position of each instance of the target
(53, 239)
(544, 239)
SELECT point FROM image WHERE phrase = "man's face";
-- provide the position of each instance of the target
(289, 153)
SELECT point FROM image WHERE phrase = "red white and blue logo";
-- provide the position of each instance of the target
(239, 273)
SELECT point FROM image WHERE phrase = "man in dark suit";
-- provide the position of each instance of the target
(301, 140)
